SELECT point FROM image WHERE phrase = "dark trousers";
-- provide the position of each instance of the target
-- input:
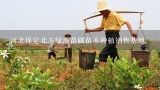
(51, 54)
(110, 48)
(68, 53)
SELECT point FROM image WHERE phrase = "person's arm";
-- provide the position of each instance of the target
(130, 29)
(99, 29)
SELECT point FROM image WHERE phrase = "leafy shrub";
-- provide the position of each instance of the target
(7, 55)
(129, 74)
(158, 53)
(18, 75)
(122, 75)
(34, 80)
(154, 80)
(18, 64)
(104, 78)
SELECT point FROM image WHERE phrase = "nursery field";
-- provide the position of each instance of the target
(30, 69)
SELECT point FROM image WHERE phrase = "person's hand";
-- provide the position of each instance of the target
(134, 34)
(84, 20)
(86, 30)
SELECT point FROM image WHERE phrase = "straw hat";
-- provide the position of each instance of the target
(67, 35)
(101, 5)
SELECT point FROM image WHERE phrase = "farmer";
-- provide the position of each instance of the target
(111, 25)
(68, 47)
(51, 51)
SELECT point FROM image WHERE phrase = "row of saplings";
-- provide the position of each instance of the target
(121, 75)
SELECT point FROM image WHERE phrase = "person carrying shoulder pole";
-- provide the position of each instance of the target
(51, 51)
(68, 47)
(111, 24)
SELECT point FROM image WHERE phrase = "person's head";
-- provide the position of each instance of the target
(67, 35)
(102, 8)
(105, 13)
(54, 44)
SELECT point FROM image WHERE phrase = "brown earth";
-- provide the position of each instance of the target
(2, 81)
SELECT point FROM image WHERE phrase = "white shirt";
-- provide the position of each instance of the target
(50, 48)
(67, 43)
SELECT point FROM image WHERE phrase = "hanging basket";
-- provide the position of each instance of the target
(142, 56)
(87, 59)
